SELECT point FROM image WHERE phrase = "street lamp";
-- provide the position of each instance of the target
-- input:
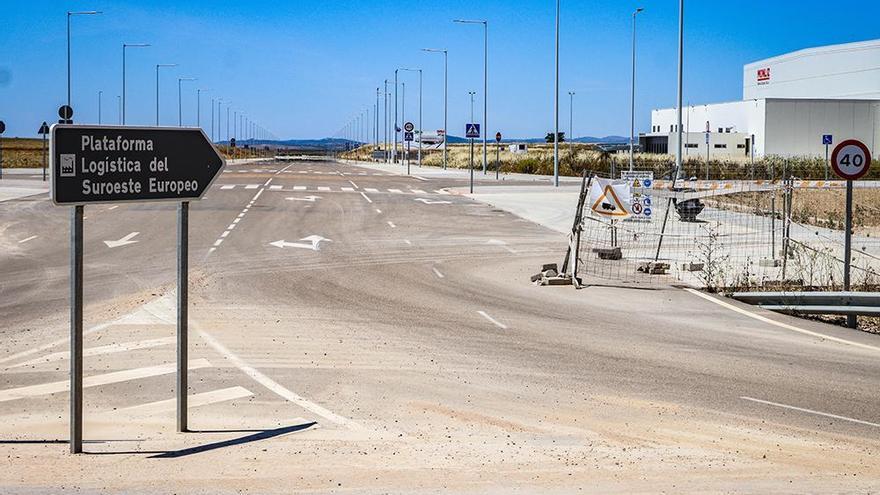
(485, 82)
(632, 107)
(420, 111)
(100, 97)
(124, 46)
(158, 66)
(556, 107)
(199, 107)
(445, 53)
(571, 123)
(180, 99)
(680, 87)
(472, 93)
(69, 15)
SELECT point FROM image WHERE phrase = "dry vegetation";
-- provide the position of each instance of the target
(22, 153)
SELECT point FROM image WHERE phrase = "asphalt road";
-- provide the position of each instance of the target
(358, 330)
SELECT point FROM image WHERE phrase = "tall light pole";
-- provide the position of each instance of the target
(394, 129)
(69, 15)
(680, 86)
(212, 119)
(571, 123)
(485, 82)
(385, 131)
(159, 66)
(199, 92)
(445, 53)
(556, 107)
(100, 97)
(472, 93)
(124, 47)
(632, 106)
(119, 109)
(180, 99)
(420, 110)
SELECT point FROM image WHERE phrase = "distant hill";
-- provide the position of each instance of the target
(337, 144)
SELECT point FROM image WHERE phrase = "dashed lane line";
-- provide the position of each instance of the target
(437, 272)
(366, 197)
(26, 239)
(391, 224)
(194, 400)
(276, 387)
(811, 411)
(353, 184)
(492, 320)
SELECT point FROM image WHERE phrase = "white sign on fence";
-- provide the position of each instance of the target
(642, 184)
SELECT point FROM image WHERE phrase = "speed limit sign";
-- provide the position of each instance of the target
(851, 159)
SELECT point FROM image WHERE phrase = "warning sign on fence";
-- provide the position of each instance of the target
(642, 184)
(610, 198)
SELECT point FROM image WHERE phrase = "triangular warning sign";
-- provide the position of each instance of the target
(637, 183)
(609, 205)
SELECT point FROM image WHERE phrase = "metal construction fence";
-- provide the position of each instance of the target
(731, 235)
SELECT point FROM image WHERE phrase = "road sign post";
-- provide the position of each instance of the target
(472, 131)
(408, 133)
(497, 154)
(827, 140)
(114, 164)
(44, 131)
(851, 160)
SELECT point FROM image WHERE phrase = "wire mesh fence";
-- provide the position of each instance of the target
(730, 235)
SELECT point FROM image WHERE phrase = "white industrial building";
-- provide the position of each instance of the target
(789, 103)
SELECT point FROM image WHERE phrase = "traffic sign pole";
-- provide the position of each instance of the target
(76, 328)
(851, 320)
(182, 313)
(2, 130)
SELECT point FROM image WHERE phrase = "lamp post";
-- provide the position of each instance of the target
(69, 15)
(124, 47)
(180, 99)
(159, 66)
(556, 107)
(445, 53)
(680, 87)
(485, 82)
(571, 122)
(199, 106)
(632, 106)
(119, 109)
(385, 130)
(100, 97)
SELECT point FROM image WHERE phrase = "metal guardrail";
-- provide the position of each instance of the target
(824, 303)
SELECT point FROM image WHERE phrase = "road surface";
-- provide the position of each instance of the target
(358, 330)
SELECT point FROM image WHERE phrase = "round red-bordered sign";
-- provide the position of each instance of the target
(851, 159)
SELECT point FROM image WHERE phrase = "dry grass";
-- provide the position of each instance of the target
(22, 153)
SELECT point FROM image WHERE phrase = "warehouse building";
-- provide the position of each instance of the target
(789, 103)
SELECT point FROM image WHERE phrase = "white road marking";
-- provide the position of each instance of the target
(237, 219)
(348, 189)
(97, 380)
(810, 411)
(251, 186)
(391, 224)
(276, 387)
(493, 320)
(218, 242)
(194, 400)
(441, 191)
(365, 197)
(113, 207)
(299, 188)
(227, 186)
(27, 239)
(496, 242)
(780, 324)
(323, 188)
(97, 351)
(432, 202)
(267, 182)
(408, 242)
(123, 241)
(378, 210)
(396, 191)
(231, 226)
(437, 272)
(224, 234)
(211, 250)
(371, 189)
(275, 187)
(353, 184)
(420, 178)
(239, 216)
(283, 169)
(417, 191)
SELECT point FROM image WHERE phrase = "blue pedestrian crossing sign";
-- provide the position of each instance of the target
(407, 136)
(472, 130)
(827, 139)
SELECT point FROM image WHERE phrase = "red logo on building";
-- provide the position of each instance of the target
(764, 75)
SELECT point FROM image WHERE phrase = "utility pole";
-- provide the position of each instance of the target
(556, 108)
(632, 106)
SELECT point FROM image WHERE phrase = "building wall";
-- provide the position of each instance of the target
(795, 127)
(848, 71)
(722, 146)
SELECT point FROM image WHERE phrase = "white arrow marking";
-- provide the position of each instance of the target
(314, 240)
(122, 242)
(310, 199)
(431, 202)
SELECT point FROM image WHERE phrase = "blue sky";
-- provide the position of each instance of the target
(302, 69)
